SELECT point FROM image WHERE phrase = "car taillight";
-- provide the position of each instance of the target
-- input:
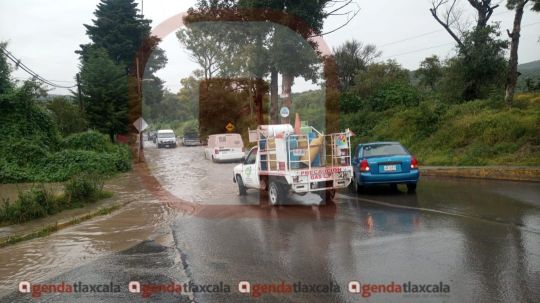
(414, 163)
(364, 166)
(216, 151)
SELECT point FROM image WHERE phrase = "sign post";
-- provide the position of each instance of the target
(140, 125)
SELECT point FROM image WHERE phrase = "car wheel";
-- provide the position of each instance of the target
(275, 193)
(411, 187)
(241, 187)
(213, 160)
(158, 146)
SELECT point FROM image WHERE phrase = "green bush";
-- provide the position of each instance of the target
(23, 152)
(39, 201)
(62, 165)
(31, 204)
(85, 187)
(32, 150)
(90, 140)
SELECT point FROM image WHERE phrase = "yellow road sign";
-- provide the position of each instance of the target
(229, 127)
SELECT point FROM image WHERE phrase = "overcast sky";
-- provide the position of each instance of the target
(45, 34)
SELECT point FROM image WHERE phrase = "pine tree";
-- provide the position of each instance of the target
(119, 29)
(120, 38)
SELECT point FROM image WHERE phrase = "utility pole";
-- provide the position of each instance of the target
(79, 93)
(139, 97)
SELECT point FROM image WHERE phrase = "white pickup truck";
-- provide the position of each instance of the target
(285, 161)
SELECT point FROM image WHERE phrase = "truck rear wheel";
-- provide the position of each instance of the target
(328, 195)
(275, 193)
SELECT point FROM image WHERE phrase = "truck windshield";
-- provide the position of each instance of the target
(379, 150)
(252, 157)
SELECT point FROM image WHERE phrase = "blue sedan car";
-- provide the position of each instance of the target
(384, 163)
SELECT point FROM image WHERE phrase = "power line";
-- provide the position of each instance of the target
(428, 33)
(436, 46)
(19, 64)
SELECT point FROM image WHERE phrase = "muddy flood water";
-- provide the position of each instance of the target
(185, 222)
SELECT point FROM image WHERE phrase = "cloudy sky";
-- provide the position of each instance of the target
(45, 34)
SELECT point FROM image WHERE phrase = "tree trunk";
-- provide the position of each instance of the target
(259, 93)
(286, 85)
(512, 74)
(274, 96)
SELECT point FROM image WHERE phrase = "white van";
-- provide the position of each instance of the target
(224, 147)
(166, 138)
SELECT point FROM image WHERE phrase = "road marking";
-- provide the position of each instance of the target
(492, 221)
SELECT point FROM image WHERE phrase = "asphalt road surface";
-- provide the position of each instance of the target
(455, 240)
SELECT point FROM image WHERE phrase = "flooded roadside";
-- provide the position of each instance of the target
(10, 192)
(36, 260)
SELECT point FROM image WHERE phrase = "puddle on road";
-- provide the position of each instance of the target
(186, 174)
(36, 260)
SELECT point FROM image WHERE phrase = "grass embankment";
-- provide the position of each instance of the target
(40, 202)
(482, 132)
(26, 160)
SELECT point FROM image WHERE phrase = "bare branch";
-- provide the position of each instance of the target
(349, 19)
(446, 25)
(337, 9)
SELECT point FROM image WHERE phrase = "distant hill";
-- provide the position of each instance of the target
(529, 70)
(533, 66)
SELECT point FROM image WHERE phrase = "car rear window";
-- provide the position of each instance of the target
(230, 141)
(377, 150)
(166, 135)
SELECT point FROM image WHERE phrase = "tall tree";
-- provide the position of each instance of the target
(5, 71)
(351, 57)
(512, 73)
(120, 32)
(104, 84)
(430, 72)
(205, 45)
(119, 29)
(478, 70)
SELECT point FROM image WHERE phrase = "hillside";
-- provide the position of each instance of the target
(481, 132)
(529, 70)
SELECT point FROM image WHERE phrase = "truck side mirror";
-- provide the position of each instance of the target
(244, 159)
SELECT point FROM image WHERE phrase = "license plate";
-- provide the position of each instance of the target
(390, 168)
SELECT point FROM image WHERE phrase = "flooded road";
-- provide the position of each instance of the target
(44, 258)
(476, 241)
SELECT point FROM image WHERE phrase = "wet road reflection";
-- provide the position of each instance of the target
(482, 238)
